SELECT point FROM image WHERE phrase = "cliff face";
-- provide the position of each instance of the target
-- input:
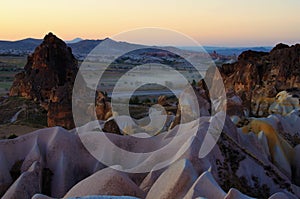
(258, 75)
(48, 77)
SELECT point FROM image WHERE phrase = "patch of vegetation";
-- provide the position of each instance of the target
(134, 100)
(32, 114)
(146, 101)
(9, 67)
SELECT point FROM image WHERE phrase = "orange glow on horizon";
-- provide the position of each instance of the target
(228, 23)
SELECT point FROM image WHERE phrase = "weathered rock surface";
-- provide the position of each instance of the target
(258, 160)
(175, 181)
(106, 182)
(64, 162)
(260, 74)
(206, 187)
(22, 187)
(48, 78)
(52, 151)
(235, 194)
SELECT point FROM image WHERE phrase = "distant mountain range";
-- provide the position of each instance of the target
(78, 45)
(227, 51)
(24, 44)
(82, 47)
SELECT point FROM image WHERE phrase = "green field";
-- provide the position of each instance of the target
(9, 67)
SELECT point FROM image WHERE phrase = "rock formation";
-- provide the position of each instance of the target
(284, 103)
(260, 74)
(48, 78)
(42, 163)
(102, 106)
(257, 160)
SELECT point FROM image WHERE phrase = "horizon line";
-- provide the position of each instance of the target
(185, 46)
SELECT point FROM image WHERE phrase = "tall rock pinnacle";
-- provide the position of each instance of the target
(49, 76)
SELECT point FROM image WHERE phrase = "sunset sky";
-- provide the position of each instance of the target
(212, 22)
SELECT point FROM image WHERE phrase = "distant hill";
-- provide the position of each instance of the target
(82, 47)
(78, 39)
(21, 45)
(227, 51)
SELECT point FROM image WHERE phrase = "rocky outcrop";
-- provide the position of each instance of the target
(258, 160)
(102, 107)
(260, 74)
(42, 162)
(46, 164)
(48, 78)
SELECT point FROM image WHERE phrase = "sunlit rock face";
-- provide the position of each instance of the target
(102, 107)
(48, 78)
(51, 66)
(279, 138)
(280, 151)
(259, 74)
(284, 104)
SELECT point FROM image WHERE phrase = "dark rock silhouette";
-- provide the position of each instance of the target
(48, 78)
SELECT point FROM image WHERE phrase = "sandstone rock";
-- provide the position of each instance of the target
(5, 177)
(234, 105)
(111, 126)
(175, 181)
(57, 162)
(150, 179)
(279, 195)
(162, 100)
(105, 182)
(206, 187)
(259, 74)
(60, 115)
(235, 194)
(296, 165)
(279, 150)
(48, 78)
(41, 196)
(26, 185)
(103, 108)
(284, 104)
(231, 162)
(191, 105)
